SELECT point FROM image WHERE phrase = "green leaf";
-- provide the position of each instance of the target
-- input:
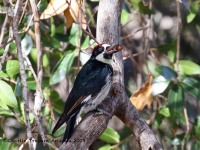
(124, 16)
(197, 126)
(53, 27)
(1, 51)
(18, 88)
(110, 136)
(175, 97)
(10, 68)
(105, 147)
(191, 86)
(57, 103)
(159, 85)
(190, 17)
(45, 60)
(165, 112)
(33, 55)
(60, 131)
(85, 44)
(4, 144)
(32, 83)
(187, 67)
(62, 67)
(31, 117)
(193, 11)
(170, 49)
(5, 112)
(50, 41)
(158, 120)
(74, 35)
(195, 144)
(138, 5)
(166, 72)
(7, 96)
(55, 43)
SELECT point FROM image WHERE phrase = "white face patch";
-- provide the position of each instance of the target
(105, 45)
(101, 58)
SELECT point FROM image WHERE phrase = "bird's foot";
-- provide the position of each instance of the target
(101, 112)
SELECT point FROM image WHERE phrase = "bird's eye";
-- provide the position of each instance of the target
(101, 49)
(107, 47)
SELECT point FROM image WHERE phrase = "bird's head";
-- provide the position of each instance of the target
(104, 52)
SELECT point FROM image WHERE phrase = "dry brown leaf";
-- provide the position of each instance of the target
(71, 12)
(54, 7)
(74, 9)
(68, 17)
(143, 96)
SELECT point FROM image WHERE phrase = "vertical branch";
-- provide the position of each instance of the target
(38, 97)
(14, 19)
(178, 32)
(6, 48)
(109, 31)
(3, 29)
(148, 33)
(187, 128)
(79, 36)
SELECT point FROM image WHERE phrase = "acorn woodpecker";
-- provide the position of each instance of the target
(91, 86)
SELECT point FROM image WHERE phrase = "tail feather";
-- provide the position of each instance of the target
(70, 127)
(63, 118)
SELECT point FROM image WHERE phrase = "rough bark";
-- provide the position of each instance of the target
(117, 102)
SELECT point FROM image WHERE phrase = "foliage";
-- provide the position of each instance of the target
(149, 31)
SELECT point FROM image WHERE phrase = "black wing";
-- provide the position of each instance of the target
(89, 81)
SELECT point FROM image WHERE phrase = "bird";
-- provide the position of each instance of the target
(90, 88)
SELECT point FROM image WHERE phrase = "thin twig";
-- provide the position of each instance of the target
(30, 21)
(187, 128)
(51, 145)
(9, 80)
(6, 49)
(80, 22)
(51, 109)
(39, 96)
(22, 146)
(147, 40)
(121, 142)
(39, 125)
(24, 10)
(90, 35)
(79, 36)
(187, 120)
(178, 32)
(133, 34)
(3, 29)
(41, 131)
(30, 67)
(4, 44)
(14, 23)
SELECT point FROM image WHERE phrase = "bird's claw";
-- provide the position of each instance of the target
(101, 112)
